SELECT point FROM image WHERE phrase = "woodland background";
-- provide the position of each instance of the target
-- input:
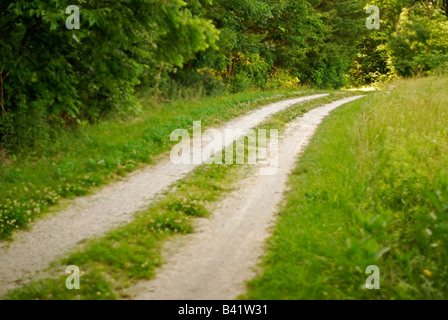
(52, 78)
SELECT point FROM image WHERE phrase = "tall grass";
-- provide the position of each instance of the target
(371, 189)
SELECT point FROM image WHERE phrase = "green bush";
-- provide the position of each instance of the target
(419, 45)
(52, 77)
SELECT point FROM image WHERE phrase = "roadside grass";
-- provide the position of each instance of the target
(83, 159)
(371, 189)
(132, 253)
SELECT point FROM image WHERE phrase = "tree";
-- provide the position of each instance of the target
(52, 76)
(420, 43)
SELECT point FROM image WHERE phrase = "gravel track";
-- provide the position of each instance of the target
(87, 217)
(214, 262)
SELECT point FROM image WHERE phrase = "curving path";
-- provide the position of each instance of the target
(87, 217)
(215, 261)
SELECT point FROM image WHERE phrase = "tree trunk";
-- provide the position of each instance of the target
(230, 66)
(2, 81)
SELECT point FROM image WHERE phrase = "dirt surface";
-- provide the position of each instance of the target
(215, 262)
(87, 217)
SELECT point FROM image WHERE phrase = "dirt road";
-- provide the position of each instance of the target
(87, 217)
(215, 262)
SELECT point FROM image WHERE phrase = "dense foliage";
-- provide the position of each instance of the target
(52, 77)
(412, 41)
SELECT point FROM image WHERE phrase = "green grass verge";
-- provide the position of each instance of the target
(371, 189)
(131, 253)
(93, 155)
